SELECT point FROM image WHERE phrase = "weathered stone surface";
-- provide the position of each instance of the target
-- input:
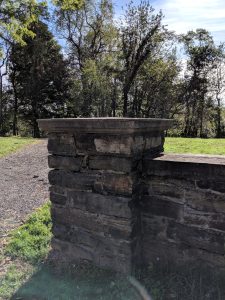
(168, 187)
(77, 253)
(111, 163)
(161, 206)
(98, 242)
(57, 190)
(204, 219)
(116, 126)
(164, 252)
(117, 184)
(176, 169)
(119, 145)
(210, 240)
(102, 204)
(214, 185)
(196, 217)
(154, 227)
(127, 145)
(61, 144)
(118, 228)
(205, 200)
(65, 162)
(68, 179)
(58, 199)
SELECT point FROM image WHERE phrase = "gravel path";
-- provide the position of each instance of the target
(23, 184)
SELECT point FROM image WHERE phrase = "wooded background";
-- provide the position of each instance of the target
(72, 58)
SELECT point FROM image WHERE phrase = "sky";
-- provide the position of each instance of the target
(184, 15)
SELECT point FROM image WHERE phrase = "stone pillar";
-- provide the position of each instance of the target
(96, 166)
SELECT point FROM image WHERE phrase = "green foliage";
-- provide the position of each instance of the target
(16, 17)
(195, 146)
(68, 5)
(12, 144)
(201, 54)
(12, 280)
(30, 242)
(39, 77)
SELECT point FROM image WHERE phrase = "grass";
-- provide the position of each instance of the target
(27, 247)
(12, 144)
(16, 274)
(31, 240)
(195, 146)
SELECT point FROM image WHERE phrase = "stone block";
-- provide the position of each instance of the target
(177, 167)
(112, 183)
(205, 200)
(58, 199)
(61, 144)
(165, 252)
(168, 187)
(68, 179)
(118, 228)
(201, 238)
(196, 217)
(102, 204)
(161, 206)
(98, 242)
(111, 144)
(65, 162)
(154, 227)
(57, 190)
(111, 163)
(214, 185)
(72, 253)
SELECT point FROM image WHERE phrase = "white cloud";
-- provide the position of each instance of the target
(184, 15)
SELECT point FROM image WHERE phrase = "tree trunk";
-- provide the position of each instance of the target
(218, 127)
(15, 107)
(125, 102)
(36, 131)
(1, 104)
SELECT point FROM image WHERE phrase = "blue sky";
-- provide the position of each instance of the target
(184, 15)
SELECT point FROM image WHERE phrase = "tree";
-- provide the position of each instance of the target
(160, 90)
(141, 33)
(39, 77)
(3, 73)
(16, 17)
(217, 87)
(201, 54)
(91, 36)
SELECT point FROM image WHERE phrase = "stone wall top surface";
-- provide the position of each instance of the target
(105, 125)
(191, 158)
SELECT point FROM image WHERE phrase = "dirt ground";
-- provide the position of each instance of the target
(23, 184)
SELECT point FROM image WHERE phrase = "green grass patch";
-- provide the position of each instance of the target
(12, 144)
(195, 146)
(15, 275)
(31, 240)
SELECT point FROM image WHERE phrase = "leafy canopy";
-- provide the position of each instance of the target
(16, 17)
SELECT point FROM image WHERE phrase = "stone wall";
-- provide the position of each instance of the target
(96, 168)
(119, 203)
(183, 208)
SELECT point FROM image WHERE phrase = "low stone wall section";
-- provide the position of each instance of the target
(183, 208)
